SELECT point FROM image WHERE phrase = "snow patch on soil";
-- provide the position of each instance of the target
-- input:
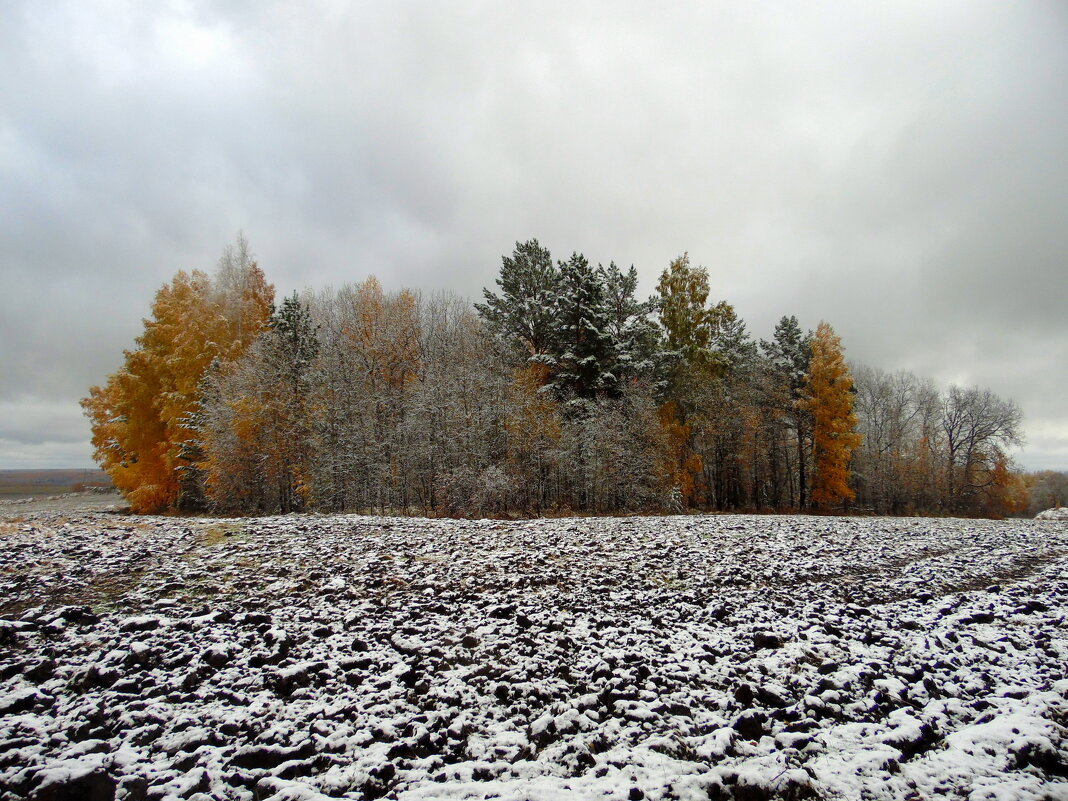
(1057, 513)
(664, 658)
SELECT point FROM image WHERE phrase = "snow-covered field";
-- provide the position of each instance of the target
(1057, 513)
(718, 657)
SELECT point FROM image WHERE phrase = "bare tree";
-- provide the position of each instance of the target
(977, 426)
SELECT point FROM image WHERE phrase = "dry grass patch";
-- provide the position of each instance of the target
(9, 527)
(219, 533)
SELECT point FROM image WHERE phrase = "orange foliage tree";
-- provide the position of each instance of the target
(385, 335)
(828, 397)
(1006, 491)
(143, 418)
(680, 462)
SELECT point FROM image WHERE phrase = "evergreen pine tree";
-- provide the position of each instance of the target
(585, 351)
(788, 355)
(525, 310)
(635, 336)
(290, 348)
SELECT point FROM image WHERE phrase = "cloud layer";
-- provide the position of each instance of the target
(899, 170)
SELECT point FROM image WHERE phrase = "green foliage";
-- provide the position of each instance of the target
(789, 353)
(583, 323)
(690, 325)
(292, 338)
(584, 351)
(525, 310)
(635, 335)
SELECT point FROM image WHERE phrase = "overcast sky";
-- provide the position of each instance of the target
(899, 170)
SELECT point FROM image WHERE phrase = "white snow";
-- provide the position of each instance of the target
(679, 657)
(1057, 513)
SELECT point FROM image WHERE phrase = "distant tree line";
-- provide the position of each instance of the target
(562, 391)
(927, 450)
(1046, 489)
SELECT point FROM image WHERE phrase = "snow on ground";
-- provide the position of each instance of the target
(722, 657)
(1057, 513)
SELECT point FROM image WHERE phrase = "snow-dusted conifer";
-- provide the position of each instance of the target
(525, 310)
(585, 349)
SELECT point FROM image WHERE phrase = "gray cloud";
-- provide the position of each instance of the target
(899, 170)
